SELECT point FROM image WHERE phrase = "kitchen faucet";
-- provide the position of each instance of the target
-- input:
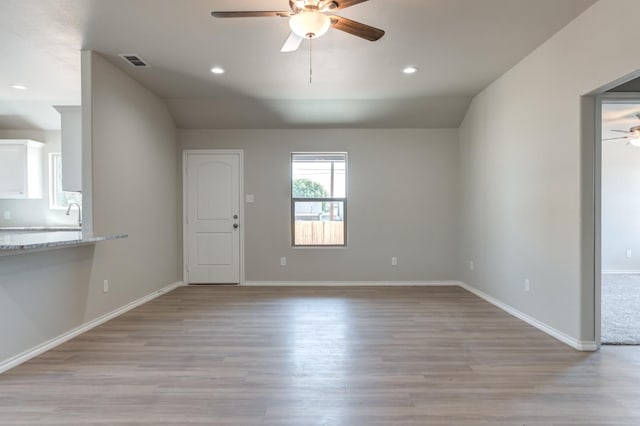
(79, 212)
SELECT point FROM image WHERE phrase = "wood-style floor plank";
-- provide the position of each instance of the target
(321, 356)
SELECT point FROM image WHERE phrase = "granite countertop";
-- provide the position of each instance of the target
(22, 240)
(39, 228)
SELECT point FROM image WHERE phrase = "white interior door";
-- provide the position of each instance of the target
(212, 234)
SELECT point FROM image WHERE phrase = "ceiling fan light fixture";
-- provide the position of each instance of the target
(410, 70)
(217, 70)
(311, 24)
(635, 141)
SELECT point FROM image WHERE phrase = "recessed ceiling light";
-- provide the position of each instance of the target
(410, 70)
(217, 70)
(19, 86)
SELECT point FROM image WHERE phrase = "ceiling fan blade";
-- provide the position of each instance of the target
(249, 14)
(292, 43)
(339, 4)
(356, 28)
(614, 139)
(621, 131)
(293, 6)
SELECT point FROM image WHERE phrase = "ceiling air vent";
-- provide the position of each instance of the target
(134, 60)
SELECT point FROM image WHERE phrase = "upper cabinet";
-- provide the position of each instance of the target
(71, 125)
(20, 168)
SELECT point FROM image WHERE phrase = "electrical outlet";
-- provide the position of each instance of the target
(471, 265)
(394, 261)
(7, 215)
(105, 286)
(527, 285)
(629, 253)
(283, 261)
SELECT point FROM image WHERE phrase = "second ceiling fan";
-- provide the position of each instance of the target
(632, 135)
(312, 19)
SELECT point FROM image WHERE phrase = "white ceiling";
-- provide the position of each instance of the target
(460, 46)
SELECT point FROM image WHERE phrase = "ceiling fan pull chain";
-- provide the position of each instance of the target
(310, 60)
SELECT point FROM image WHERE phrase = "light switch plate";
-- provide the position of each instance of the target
(249, 198)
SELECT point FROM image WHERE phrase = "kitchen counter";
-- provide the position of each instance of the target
(16, 241)
(39, 228)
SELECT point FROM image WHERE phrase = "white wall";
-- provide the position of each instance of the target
(135, 188)
(402, 202)
(620, 206)
(526, 174)
(135, 164)
(36, 212)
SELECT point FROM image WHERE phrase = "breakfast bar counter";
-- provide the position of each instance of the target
(25, 240)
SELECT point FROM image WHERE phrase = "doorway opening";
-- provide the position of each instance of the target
(620, 216)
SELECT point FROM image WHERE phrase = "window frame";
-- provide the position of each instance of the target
(53, 182)
(343, 200)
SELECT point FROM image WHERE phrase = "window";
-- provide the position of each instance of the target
(59, 199)
(319, 199)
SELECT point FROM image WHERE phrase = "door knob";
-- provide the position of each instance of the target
(235, 226)
(235, 216)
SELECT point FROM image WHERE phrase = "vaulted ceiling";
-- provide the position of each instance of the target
(459, 46)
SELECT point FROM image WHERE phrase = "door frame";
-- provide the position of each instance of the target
(185, 252)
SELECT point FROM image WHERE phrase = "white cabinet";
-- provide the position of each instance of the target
(71, 125)
(20, 168)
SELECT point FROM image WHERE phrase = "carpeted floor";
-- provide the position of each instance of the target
(621, 309)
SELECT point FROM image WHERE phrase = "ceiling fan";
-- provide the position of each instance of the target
(312, 19)
(633, 134)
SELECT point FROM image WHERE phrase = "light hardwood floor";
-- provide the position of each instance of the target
(321, 356)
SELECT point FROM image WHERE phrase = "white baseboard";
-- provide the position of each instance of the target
(620, 272)
(580, 345)
(50, 344)
(350, 283)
